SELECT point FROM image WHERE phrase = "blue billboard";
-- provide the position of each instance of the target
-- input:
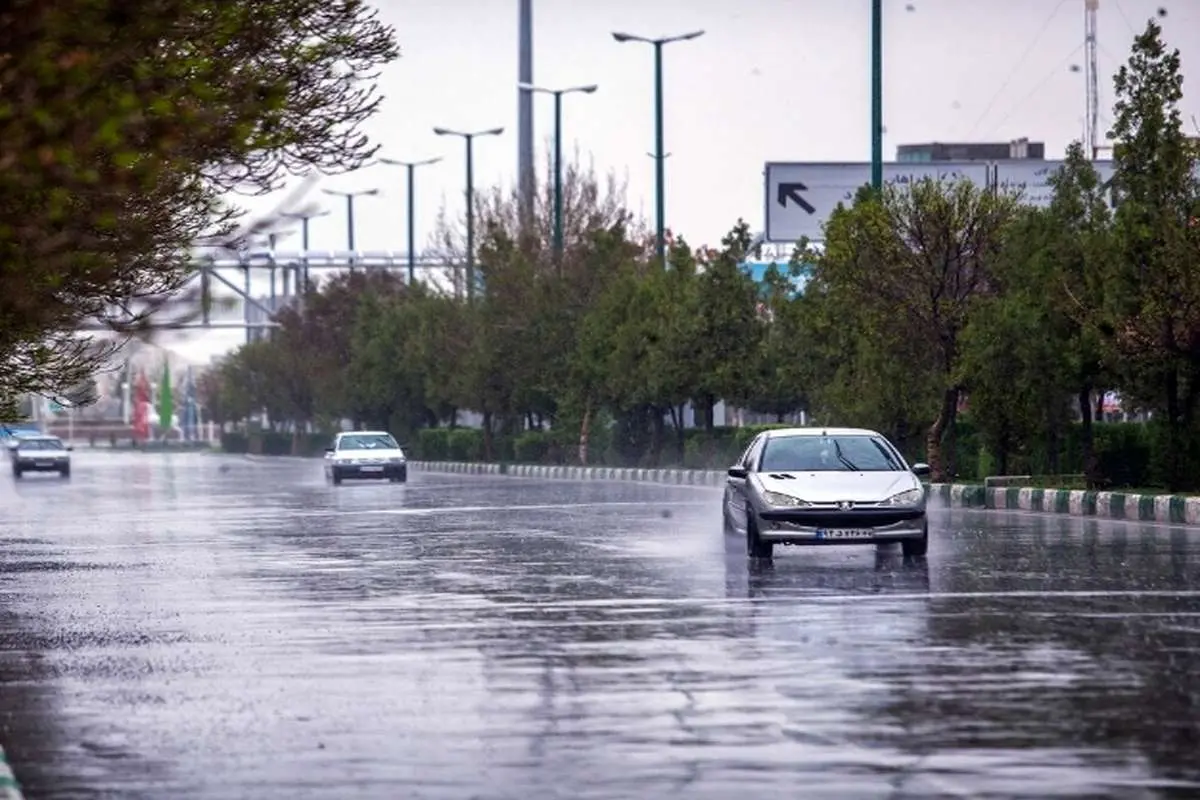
(758, 271)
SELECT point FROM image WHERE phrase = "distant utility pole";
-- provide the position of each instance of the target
(877, 94)
(526, 175)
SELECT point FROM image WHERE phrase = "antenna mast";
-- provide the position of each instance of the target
(1092, 130)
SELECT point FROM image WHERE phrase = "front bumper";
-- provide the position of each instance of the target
(43, 464)
(823, 526)
(370, 472)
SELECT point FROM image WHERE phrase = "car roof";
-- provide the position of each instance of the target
(779, 433)
(363, 433)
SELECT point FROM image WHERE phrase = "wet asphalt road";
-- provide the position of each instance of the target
(196, 626)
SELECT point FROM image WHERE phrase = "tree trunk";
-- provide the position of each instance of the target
(1175, 441)
(657, 427)
(584, 429)
(488, 442)
(1087, 440)
(933, 440)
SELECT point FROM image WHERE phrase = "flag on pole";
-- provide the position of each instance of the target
(166, 402)
(189, 420)
(141, 408)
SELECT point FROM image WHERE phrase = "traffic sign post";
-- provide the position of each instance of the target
(800, 197)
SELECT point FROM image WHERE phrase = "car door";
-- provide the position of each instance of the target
(736, 500)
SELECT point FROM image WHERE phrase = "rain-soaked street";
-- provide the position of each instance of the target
(196, 626)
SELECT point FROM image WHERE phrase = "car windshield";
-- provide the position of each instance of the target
(40, 444)
(368, 441)
(855, 453)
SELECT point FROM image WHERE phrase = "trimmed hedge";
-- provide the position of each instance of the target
(270, 443)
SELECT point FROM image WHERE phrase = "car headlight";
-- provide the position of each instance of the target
(779, 499)
(396, 460)
(907, 498)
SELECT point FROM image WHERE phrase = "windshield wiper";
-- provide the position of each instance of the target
(837, 449)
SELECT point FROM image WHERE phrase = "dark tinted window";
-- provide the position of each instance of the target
(829, 454)
(40, 444)
(363, 441)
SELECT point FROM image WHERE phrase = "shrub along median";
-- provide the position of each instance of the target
(1128, 454)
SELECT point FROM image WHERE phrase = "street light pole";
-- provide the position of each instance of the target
(660, 156)
(350, 215)
(411, 167)
(304, 219)
(469, 138)
(877, 94)
(558, 162)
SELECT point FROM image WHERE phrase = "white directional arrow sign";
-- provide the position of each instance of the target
(801, 196)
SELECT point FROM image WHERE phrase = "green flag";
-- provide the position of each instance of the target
(166, 403)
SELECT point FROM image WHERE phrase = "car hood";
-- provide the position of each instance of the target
(367, 455)
(37, 455)
(830, 487)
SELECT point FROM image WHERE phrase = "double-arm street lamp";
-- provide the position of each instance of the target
(411, 168)
(659, 155)
(469, 138)
(558, 178)
(350, 214)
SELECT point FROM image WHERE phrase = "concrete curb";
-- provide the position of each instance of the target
(677, 477)
(9, 788)
(1170, 509)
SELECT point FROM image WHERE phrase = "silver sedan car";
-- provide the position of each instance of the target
(823, 486)
(40, 453)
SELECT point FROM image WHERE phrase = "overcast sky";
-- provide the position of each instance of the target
(771, 80)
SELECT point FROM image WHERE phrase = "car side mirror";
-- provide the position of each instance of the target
(738, 472)
(921, 470)
(70, 447)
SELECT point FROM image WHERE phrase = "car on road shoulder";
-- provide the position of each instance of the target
(40, 453)
(824, 486)
(365, 455)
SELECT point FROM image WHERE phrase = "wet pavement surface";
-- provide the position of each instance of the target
(192, 626)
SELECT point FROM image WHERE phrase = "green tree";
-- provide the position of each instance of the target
(908, 266)
(122, 124)
(1153, 299)
(728, 330)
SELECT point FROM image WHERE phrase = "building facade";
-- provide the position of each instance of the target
(1016, 150)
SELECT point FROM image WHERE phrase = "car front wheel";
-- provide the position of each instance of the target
(756, 548)
(916, 548)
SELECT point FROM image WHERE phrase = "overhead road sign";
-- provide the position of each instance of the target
(1032, 179)
(800, 197)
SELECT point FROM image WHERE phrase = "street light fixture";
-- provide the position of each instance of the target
(411, 168)
(304, 218)
(469, 138)
(558, 187)
(659, 155)
(350, 214)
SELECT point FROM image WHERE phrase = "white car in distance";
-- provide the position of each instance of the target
(40, 454)
(365, 455)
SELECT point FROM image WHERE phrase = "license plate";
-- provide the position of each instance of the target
(371, 469)
(845, 533)
(44, 463)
